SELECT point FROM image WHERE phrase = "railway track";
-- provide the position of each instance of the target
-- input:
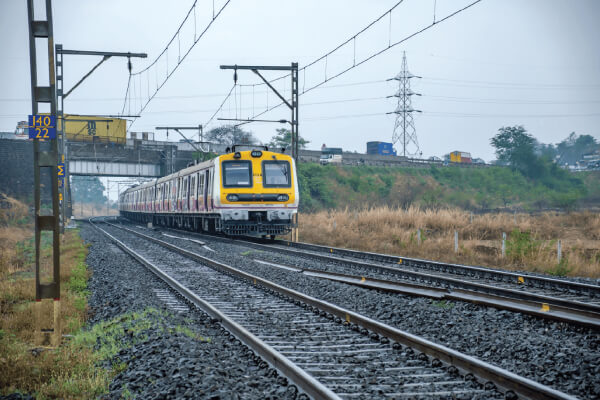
(328, 351)
(549, 298)
(574, 291)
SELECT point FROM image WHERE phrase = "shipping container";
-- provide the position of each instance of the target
(380, 148)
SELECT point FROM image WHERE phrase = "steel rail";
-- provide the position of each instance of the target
(517, 278)
(503, 379)
(542, 310)
(296, 374)
(547, 307)
(522, 280)
(443, 281)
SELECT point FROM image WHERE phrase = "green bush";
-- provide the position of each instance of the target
(561, 269)
(331, 186)
(521, 245)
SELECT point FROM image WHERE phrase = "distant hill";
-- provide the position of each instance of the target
(477, 189)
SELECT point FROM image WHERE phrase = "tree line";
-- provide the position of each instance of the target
(233, 134)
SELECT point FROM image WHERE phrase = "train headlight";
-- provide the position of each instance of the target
(283, 197)
(232, 197)
(256, 153)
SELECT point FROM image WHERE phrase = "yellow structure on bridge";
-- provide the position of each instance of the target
(90, 128)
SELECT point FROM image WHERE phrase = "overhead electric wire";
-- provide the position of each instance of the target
(506, 101)
(517, 84)
(356, 64)
(220, 107)
(180, 57)
(391, 45)
(359, 83)
(450, 114)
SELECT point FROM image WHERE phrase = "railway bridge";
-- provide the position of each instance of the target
(137, 158)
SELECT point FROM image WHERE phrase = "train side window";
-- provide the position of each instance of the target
(201, 186)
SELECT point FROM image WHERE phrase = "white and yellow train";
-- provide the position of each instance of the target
(252, 192)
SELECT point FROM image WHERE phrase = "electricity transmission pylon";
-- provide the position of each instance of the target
(404, 127)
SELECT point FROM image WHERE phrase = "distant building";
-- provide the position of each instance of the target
(590, 160)
(19, 135)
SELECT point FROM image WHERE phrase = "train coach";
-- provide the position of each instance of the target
(253, 192)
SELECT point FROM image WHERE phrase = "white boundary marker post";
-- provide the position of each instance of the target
(456, 241)
(559, 250)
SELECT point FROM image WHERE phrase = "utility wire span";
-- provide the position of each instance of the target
(391, 45)
(352, 40)
(450, 114)
(220, 107)
(165, 55)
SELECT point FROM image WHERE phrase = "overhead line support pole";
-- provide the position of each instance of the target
(60, 99)
(45, 158)
(293, 105)
(178, 129)
(272, 88)
(85, 76)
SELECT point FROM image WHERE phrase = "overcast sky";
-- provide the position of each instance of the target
(502, 62)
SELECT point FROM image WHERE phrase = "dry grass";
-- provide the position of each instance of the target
(66, 372)
(531, 240)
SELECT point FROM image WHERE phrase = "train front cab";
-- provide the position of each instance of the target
(257, 193)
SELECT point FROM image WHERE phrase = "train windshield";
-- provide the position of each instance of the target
(237, 174)
(276, 174)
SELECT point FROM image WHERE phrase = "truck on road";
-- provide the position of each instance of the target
(331, 155)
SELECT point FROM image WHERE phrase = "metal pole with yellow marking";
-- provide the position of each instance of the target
(42, 129)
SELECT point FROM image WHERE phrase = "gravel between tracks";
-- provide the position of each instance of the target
(561, 356)
(163, 360)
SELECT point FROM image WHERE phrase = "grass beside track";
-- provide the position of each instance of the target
(66, 372)
(531, 240)
(83, 366)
